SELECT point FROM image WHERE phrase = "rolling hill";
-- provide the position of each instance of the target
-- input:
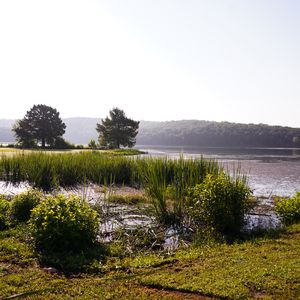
(182, 133)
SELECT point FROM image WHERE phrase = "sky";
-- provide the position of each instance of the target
(221, 60)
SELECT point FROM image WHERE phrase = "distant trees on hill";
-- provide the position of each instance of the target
(217, 134)
(184, 133)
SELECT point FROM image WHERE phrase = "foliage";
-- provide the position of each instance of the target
(262, 268)
(47, 171)
(4, 212)
(219, 203)
(167, 182)
(65, 230)
(117, 130)
(23, 204)
(92, 144)
(288, 209)
(60, 143)
(257, 269)
(40, 124)
(217, 134)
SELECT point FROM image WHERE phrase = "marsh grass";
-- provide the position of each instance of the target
(167, 182)
(70, 169)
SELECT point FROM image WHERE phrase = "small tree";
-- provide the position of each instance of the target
(92, 144)
(40, 124)
(117, 130)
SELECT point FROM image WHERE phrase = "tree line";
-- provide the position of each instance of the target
(217, 134)
(43, 127)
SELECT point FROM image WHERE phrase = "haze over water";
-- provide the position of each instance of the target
(270, 171)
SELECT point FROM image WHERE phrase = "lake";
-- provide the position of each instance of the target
(270, 172)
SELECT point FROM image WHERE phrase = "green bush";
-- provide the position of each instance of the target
(4, 212)
(61, 143)
(288, 209)
(65, 230)
(219, 204)
(23, 204)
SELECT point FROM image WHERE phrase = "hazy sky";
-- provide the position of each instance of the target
(233, 60)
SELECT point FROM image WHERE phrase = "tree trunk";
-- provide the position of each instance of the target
(43, 143)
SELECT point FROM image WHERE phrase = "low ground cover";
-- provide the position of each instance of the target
(262, 267)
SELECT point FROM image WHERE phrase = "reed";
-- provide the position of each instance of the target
(165, 180)
(47, 171)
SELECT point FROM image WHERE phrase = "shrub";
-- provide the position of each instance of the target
(61, 143)
(65, 230)
(220, 203)
(92, 144)
(23, 204)
(288, 209)
(4, 209)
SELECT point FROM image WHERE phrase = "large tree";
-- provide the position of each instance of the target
(117, 130)
(41, 124)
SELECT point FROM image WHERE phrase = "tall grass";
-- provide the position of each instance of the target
(165, 180)
(68, 169)
(47, 171)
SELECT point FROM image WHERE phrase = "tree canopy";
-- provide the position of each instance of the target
(41, 124)
(117, 130)
(217, 134)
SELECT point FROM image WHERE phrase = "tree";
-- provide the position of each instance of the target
(41, 124)
(117, 130)
(92, 144)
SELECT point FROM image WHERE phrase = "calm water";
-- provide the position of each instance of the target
(270, 171)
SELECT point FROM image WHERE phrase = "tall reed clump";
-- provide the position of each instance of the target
(167, 182)
(48, 171)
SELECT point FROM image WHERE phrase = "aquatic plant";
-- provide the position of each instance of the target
(167, 182)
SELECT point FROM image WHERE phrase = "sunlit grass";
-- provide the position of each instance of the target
(267, 268)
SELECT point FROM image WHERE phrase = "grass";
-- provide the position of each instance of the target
(128, 199)
(69, 169)
(264, 267)
(6, 151)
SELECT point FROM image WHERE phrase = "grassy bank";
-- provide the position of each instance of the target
(6, 151)
(265, 267)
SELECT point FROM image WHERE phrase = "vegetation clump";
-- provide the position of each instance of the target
(65, 231)
(167, 183)
(23, 204)
(117, 130)
(219, 204)
(4, 212)
(41, 124)
(289, 209)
